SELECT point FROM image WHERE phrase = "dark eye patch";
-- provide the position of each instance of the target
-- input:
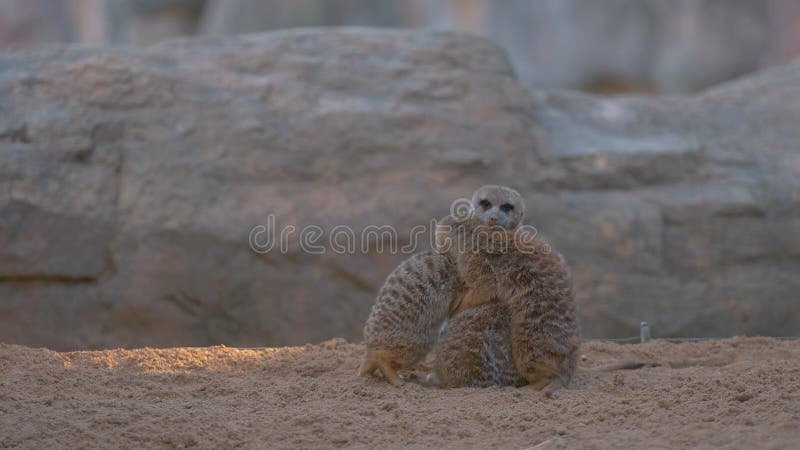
(506, 207)
(485, 204)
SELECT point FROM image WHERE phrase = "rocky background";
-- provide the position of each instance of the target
(131, 178)
(602, 46)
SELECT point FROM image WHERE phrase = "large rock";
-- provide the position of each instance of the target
(681, 211)
(131, 179)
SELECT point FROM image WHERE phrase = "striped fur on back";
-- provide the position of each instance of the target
(411, 306)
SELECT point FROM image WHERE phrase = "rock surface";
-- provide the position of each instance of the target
(131, 179)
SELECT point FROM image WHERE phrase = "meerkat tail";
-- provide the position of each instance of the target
(548, 386)
(422, 378)
(622, 365)
(554, 386)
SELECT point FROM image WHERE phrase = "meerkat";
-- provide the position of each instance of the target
(523, 272)
(416, 298)
(494, 213)
(409, 310)
(512, 316)
(535, 283)
(474, 350)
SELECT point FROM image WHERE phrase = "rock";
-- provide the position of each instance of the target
(37, 244)
(689, 206)
(131, 180)
(139, 174)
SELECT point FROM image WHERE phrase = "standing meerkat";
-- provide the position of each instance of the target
(531, 280)
(509, 297)
(409, 310)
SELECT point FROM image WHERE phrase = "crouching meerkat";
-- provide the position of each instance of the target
(475, 350)
(404, 323)
(530, 279)
(512, 314)
(414, 301)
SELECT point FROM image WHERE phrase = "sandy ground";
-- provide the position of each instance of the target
(737, 393)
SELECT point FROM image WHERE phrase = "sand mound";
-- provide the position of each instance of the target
(740, 393)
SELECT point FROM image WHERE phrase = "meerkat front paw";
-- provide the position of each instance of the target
(383, 361)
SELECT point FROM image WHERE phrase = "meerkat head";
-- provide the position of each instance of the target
(498, 206)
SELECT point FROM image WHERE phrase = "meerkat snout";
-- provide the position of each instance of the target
(498, 206)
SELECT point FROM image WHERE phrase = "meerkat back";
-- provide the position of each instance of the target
(536, 285)
(408, 312)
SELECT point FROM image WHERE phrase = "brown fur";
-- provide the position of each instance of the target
(534, 285)
(410, 307)
(456, 236)
(510, 301)
(537, 289)
(474, 350)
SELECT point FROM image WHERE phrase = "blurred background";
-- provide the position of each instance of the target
(606, 46)
(656, 143)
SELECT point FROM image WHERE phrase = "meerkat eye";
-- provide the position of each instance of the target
(506, 207)
(485, 204)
